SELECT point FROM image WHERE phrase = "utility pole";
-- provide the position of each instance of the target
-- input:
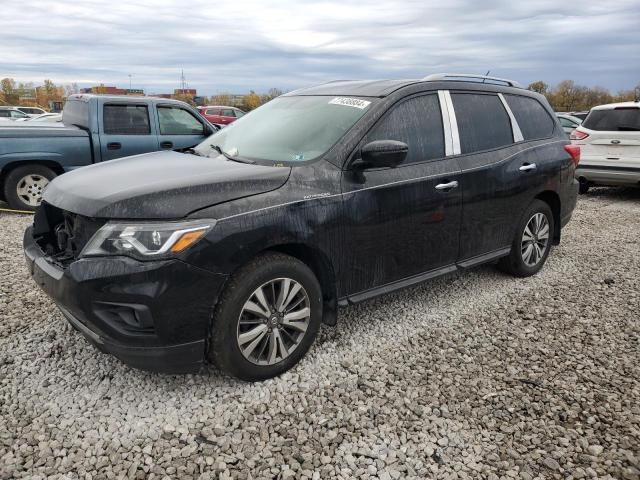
(130, 83)
(182, 81)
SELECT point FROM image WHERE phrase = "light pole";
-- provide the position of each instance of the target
(130, 82)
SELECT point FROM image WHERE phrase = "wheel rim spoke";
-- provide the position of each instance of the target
(297, 315)
(256, 309)
(273, 321)
(292, 293)
(285, 287)
(535, 238)
(254, 336)
(262, 300)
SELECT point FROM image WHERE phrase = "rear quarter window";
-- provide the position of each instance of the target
(533, 119)
(483, 123)
(614, 120)
(76, 112)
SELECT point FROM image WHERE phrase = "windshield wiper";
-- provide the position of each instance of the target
(229, 157)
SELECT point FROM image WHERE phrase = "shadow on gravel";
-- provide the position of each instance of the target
(613, 193)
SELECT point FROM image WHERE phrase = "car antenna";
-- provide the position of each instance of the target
(486, 75)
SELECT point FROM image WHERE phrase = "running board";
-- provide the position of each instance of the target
(422, 277)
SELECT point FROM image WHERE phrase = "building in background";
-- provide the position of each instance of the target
(110, 90)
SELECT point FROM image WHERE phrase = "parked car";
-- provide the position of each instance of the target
(12, 113)
(581, 115)
(221, 115)
(45, 117)
(96, 128)
(610, 142)
(32, 111)
(236, 251)
(568, 122)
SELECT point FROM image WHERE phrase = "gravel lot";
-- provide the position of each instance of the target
(472, 376)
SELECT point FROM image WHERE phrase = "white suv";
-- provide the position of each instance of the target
(609, 140)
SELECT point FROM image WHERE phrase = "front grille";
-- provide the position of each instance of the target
(62, 235)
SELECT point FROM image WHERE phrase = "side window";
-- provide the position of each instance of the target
(177, 121)
(416, 122)
(227, 112)
(212, 112)
(239, 113)
(126, 120)
(534, 121)
(483, 123)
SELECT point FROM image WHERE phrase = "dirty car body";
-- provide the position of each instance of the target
(455, 201)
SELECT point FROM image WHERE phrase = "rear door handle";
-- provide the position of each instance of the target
(166, 144)
(443, 187)
(527, 167)
(114, 146)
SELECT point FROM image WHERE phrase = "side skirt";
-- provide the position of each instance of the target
(421, 277)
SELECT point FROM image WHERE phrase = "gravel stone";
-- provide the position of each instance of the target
(475, 375)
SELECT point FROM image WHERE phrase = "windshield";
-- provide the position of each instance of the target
(287, 129)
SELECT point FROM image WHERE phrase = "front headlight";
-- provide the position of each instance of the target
(146, 240)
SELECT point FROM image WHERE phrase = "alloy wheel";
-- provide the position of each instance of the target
(535, 239)
(30, 188)
(273, 321)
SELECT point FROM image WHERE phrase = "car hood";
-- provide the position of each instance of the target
(159, 185)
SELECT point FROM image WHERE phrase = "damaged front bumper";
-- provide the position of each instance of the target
(151, 315)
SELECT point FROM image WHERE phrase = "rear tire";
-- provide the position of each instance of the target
(532, 242)
(24, 185)
(266, 319)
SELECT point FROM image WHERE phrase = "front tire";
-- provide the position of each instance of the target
(532, 242)
(24, 185)
(266, 319)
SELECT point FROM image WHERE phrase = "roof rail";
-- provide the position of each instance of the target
(465, 77)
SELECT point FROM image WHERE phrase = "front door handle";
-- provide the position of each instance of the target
(528, 167)
(114, 146)
(443, 187)
(166, 145)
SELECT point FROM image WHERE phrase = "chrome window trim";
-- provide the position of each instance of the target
(515, 128)
(455, 134)
(446, 124)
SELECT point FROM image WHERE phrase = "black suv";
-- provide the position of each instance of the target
(235, 251)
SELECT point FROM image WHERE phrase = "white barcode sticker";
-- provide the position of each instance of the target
(350, 102)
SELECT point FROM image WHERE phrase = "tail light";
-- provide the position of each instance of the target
(578, 135)
(574, 151)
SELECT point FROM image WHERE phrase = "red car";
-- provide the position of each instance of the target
(220, 115)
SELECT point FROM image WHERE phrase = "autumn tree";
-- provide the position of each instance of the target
(9, 93)
(539, 87)
(251, 101)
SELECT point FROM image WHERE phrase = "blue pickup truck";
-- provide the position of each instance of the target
(94, 128)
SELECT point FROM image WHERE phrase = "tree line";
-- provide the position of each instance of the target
(568, 96)
(11, 92)
(15, 93)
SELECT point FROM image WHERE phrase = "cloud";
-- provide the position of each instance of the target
(235, 46)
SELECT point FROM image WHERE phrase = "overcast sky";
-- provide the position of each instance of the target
(258, 44)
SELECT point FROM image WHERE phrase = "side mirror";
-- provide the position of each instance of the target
(382, 153)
